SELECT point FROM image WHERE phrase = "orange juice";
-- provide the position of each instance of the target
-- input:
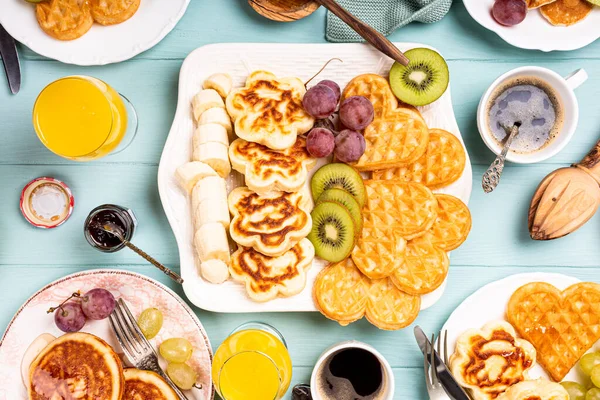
(80, 118)
(252, 364)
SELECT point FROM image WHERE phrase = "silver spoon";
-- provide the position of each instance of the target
(116, 231)
(491, 178)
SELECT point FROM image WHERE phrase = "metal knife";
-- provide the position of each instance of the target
(10, 58)
(452, 388)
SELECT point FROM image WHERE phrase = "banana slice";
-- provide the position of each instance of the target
(217, 116)
(214, 271)
(205, 100)
(188, 174)
(219, 82)
(211, 243)
(210, 133)
(34, 349)
(212, 210)
(214, 154)
(211, 188)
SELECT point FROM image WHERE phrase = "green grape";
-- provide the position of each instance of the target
(589, 361)
(150, 322)
(593, 394)
(575, 390)
(184, 376)
(595, 375)
(176, 350)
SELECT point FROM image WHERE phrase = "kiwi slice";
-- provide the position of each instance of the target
(342, 176)
(423, 81)
(347, 200)
(332, 231)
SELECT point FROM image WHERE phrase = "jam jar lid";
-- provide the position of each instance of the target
(46, 202)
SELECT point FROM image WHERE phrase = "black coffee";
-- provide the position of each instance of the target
(351, 374)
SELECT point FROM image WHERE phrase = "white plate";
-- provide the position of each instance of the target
(101, 44)
(138, 291)
(303, 61)
(489, 304)
(536, 33)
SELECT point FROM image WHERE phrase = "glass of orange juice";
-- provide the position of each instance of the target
(253, 363)
(82, 118)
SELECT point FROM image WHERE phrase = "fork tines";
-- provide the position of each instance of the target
(130, 337)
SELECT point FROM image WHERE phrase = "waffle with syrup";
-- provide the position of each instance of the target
(76, 366)
(398, 134)
(342, 293)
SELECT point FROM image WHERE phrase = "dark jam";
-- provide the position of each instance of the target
(121, 217)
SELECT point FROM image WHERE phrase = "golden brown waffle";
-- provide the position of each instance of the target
(345, 295)
(442, 164)
(423, 269)
(395, 212)
(64, 19)
(111, 12)
(566, 12)
(397, 135)
(562, 326)
(452, 225)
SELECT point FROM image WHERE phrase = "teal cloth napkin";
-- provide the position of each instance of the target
(384, 15)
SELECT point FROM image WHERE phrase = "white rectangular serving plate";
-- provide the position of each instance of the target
(298, 60)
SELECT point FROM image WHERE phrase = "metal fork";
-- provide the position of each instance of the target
(135, 345)
(434, 386)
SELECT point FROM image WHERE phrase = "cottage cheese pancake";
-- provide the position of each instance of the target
(540, 389)
(490, 360)
(146, 385)
(76, 366)
(268, 170)
(268, 110)
(267, 277)
(271, 223)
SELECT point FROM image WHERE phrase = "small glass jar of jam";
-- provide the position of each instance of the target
(121, 217)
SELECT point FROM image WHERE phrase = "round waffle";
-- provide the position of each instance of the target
(398, 135)
(562, 326)
(452, 225)
(343, 294)
(64, 19)
(111, 12)
(423, 269)
(442, 164)
(566, 12)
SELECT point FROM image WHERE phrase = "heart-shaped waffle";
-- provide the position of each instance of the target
(562, 326)
(395, 211)
(342, 293)
(397, 135)
(442, 164)
(423, 268)
(452, 225)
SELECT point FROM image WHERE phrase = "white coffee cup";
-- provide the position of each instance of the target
(564, 87)
(388, 374)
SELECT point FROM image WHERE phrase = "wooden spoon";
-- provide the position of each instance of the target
(291, 10)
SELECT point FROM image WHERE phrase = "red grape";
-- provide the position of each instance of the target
(356, 112)
(333, 86)
(320, 142)
(98, 304)
(349, 146)
(509, 12)
(319, 101)
(69, 317)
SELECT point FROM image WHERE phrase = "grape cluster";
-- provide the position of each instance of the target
(72, 315)
(509, 12)
(355, 114)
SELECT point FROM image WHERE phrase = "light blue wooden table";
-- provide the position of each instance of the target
(498, 246)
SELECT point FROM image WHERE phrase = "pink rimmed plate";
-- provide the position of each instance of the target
(138, 291)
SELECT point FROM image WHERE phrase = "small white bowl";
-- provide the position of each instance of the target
(564, 87)
(388, 373)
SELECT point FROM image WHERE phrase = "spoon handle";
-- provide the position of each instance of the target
(151, 260)
(376, 39)
(491, 178)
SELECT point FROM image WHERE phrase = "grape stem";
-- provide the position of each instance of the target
(321, 70)
(52, 309)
